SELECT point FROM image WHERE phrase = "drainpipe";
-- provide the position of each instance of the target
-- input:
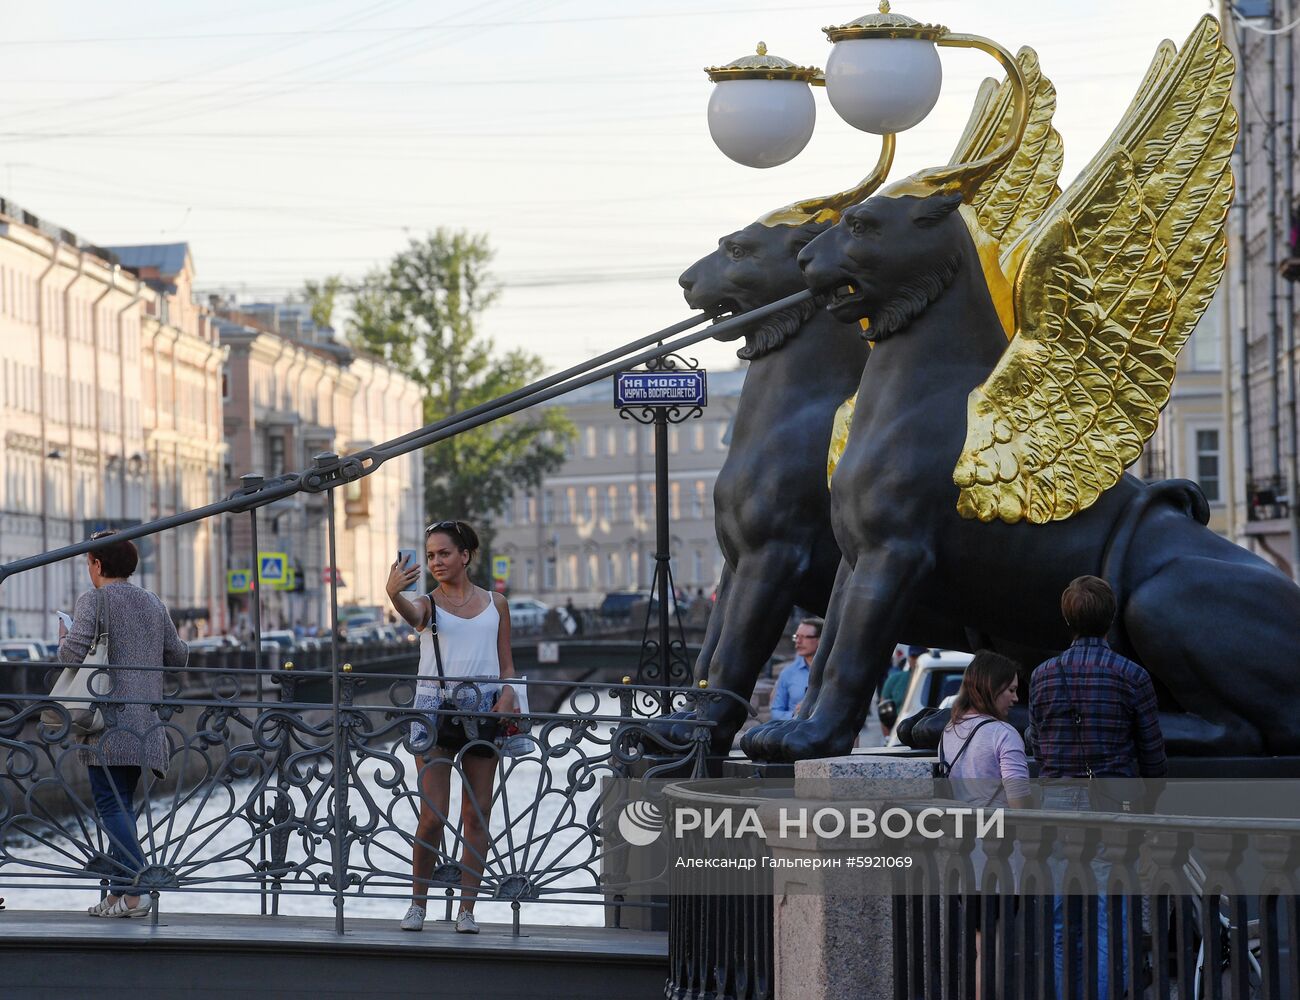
(42, 330)
(1274, 328)
(1243, 272)
(121, 384)
(68, 408)
(95, 324)
(1293, 487)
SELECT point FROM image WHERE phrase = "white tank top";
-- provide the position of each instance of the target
(468, 646)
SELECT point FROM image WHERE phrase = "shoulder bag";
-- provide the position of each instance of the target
(74, 689)
(455, 726)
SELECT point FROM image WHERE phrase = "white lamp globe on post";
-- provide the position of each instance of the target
(883, 74)
(761, 111)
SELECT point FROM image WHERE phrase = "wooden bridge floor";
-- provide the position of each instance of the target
(60, 955)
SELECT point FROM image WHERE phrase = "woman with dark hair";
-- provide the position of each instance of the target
(471, 629)
(141, 639)
(982, 753)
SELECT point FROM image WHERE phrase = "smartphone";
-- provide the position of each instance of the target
(407, 558)
(66, 619)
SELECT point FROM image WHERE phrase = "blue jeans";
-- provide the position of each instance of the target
(113, 788)
(1076, 799)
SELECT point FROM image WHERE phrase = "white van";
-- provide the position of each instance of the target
(935, 678)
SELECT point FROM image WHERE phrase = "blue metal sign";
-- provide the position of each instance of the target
(662, 388)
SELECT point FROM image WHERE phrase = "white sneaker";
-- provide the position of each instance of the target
(414, 919)
(121, 909)
(100, 909)
(465, 923)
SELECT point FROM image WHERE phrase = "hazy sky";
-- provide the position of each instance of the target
(285, 139)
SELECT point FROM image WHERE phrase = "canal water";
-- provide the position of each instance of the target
(543, 817)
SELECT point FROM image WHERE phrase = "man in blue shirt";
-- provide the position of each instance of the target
(792, 684)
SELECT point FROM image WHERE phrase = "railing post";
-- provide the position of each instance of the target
(340, 817)
(252, 481)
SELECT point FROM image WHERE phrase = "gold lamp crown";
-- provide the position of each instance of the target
(884, 25)
(763, 66)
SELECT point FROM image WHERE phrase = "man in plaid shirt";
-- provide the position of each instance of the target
(1092, 713)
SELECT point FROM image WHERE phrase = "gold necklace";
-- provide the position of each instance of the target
(472, 591)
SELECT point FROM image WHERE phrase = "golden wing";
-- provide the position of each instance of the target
(1109, 286)
(1009, 199)
(1018, 194)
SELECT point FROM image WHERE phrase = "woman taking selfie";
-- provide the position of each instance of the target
(464, 654)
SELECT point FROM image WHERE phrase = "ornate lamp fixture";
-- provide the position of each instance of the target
(883, 76)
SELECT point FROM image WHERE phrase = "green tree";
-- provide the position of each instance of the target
(320, 297)
(420, 314)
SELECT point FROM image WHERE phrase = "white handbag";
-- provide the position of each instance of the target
(74, 690)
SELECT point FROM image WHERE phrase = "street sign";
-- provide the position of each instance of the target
(272, 567)
(548, 652)
(239, 581)
(500, 567)
(330, 574)
(662, 388)
(289, 582)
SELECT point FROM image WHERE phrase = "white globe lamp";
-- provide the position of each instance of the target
(883, 74)
(761, 111)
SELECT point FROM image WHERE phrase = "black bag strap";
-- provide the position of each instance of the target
(944, 766)
(1077, 716)
(437, 646)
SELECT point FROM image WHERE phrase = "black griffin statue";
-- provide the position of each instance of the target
(1192, 605)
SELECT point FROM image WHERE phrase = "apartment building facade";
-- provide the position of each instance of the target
(83, 338)
(590, 527)
(292, 391)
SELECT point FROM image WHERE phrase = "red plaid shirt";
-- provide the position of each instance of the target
(1119, 732)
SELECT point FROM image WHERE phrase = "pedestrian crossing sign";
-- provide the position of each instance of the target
(501, 567)
(239, 581)
(272, 567)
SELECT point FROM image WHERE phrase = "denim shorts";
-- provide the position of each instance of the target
(463, 697)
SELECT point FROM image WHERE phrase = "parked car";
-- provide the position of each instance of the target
(23, 650)
(527, 613)
(211, 642)
(283, 638)
(936, 677)
(618, 603)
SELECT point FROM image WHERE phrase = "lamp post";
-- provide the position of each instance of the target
(883, 76)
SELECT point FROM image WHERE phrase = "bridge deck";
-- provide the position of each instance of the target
(61, 955)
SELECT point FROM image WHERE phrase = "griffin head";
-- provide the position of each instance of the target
(887, 259)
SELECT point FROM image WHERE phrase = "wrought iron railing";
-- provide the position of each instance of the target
(271, 793)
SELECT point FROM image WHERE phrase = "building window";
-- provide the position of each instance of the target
(275, 453)
(697, 568)
(673, 435)
(631, 440)
(698, 499)
(589, 442)
(611, 441)
(530, 574)
(548, 507)
(571, 571)
(1207, 463)
(548, 573)
(508, 512)
(697, 436)
(631, 502)
(611, 570)
(593, 572)
(589, 504)
(566, 505)
(675, 500)
(611, 504)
